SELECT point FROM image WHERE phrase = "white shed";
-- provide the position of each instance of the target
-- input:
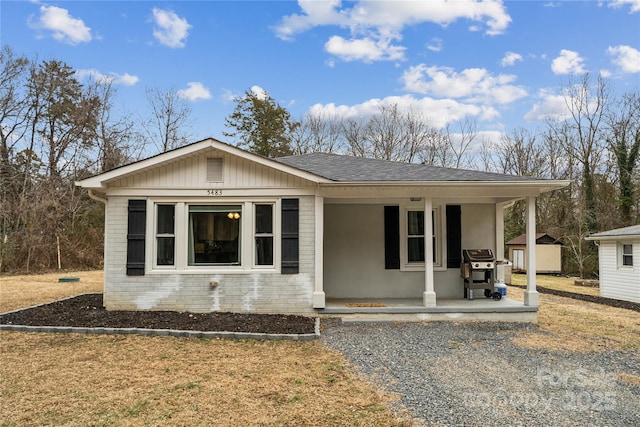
(619, 259)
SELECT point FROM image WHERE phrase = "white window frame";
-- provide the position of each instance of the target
(439, 222)
(181, 236)
(276, 234)
(622, 255)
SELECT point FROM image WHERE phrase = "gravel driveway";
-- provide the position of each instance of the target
(451, 373)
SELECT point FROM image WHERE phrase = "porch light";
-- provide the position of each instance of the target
(415, 199)
(233, 215)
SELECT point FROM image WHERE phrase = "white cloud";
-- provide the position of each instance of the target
(194, 92)
(365, 49)
(551, 107)
(435, 44)
(569, 62)
(63, 26)
(626, 57)
(605, 73)
(473, 84)
(374, 25)
(440, 112)
(634, 4)
(170, 30)
(510, 58)
(259, 92)
(125, 79)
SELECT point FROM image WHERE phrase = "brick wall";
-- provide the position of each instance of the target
(249, 291)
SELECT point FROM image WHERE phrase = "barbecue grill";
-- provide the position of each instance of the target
(478, 272)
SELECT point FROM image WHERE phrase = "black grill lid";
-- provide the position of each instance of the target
(477, 255)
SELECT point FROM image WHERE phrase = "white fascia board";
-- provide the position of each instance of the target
(620, 237)
(542, 185)
(101, 180)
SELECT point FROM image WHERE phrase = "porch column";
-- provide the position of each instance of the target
(531, 297)
(318, 298)
(499, 232)
(429, 295)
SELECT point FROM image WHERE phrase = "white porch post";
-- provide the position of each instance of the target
(499, 254)
(318, 298)
(531, 297)
(429, 295)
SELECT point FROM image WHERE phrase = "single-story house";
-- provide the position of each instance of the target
(210, 227)
(619, 260)
(548, 253)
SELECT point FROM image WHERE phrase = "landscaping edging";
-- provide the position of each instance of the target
(589, 298)
(167, 332)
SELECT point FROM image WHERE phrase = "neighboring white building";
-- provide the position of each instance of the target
(211, 227)
(619, 259)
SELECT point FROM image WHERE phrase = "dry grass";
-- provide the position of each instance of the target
(572, 325)
(557, 283)
(23, 291)
(77, 380)
(72, 379)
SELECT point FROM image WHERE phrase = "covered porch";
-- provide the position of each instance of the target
(354, 277)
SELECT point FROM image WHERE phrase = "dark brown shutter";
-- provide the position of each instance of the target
(136, 227)
(290, 236)
(392, 237)
(454, 236)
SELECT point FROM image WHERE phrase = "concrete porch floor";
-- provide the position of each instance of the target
(397, 309)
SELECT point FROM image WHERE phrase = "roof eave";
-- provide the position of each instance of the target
(544, 185)
(614, 237)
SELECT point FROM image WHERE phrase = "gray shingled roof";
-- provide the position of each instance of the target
(341, 168)
(633, 230)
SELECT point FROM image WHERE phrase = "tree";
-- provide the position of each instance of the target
(261, 125)
(624, 145)
(114, 136)
(317, 133)
(581, 134)
(460, 143)
(166, 128)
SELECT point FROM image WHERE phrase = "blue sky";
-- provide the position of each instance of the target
(502, 64)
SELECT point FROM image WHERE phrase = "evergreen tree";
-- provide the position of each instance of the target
(261, 125)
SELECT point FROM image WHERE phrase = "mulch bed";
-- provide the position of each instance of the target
(590, 298)
(87, 311)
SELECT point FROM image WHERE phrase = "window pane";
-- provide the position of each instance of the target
(627, 255)
(415, 249)
(165, 219)
(165, 251)
(415, 223)
(264, 250)
(264, 219)
(214, 235)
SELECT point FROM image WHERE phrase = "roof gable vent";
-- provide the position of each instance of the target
(214, 169)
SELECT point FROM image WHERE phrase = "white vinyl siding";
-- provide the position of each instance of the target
(192, 173)
(618, 281)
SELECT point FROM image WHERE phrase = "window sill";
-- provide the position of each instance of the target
(420, 267)
(212, 270)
